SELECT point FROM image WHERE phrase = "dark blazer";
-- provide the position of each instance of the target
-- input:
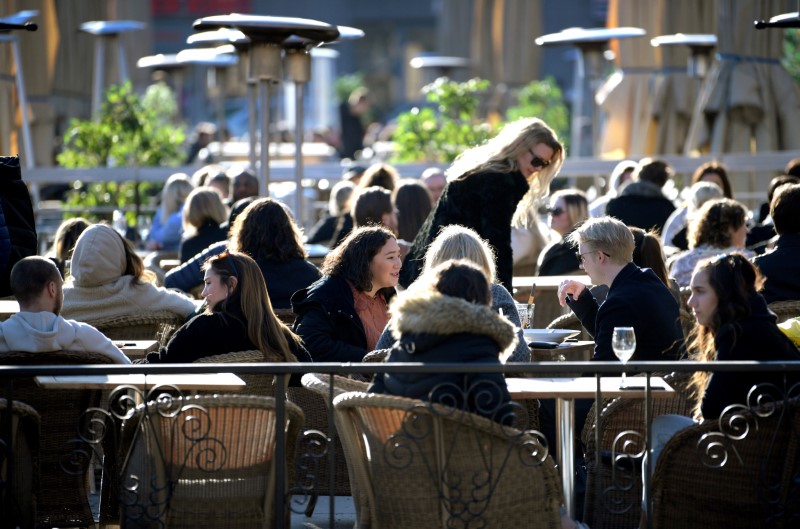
(755, 337)
(636, 298)
(484, 202)
(208, 234)
(641, 204)
(328, 323)
(781, 268)
(558, 258)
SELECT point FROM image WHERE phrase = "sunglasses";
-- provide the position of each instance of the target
(538, 161)
(581, 259)
(230, 260)
(555, 211)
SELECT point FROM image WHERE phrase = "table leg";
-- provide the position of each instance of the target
(565, 417)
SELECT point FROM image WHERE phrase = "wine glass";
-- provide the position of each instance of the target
(623, 341)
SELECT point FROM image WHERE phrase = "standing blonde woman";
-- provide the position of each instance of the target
(486, 185)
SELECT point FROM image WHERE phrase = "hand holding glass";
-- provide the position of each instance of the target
(623, 341)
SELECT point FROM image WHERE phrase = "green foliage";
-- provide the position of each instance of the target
(791, 53)
(129, 132)
(438, 136)
(346, 84)
(543, 99)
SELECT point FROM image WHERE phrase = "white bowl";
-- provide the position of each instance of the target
(548, 335)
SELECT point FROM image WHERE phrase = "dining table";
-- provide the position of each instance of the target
(565, 390)
(135, 349)
(546, 295)
(8, 307)
(184, 381)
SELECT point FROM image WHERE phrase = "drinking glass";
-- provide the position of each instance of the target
(525, 316)
(623, 341)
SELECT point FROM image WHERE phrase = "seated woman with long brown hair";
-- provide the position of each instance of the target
(238, 317)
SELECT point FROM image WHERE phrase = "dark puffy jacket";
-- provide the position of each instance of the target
(17, 223)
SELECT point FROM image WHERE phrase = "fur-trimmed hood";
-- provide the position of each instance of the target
(415, 312)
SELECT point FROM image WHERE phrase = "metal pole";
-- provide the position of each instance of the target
(99, 74)
(124, 76)
(298, 153)
(264, 154)
(252, 118)
(577, 106)
(27, 142)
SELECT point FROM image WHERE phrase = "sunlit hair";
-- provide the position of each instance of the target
(717, 169)
(266, 232)
(615, 179)
(250, 295)
(381, 175)
(575, 203)
(654, 171)
(500, 154)
(340, 196)
(734, 280)
(66, 236)
(715, 222)
(413, 202)
(173, 196)
(700, 193)
(134, 265)
(203, 204)
(351, 259)
(785, 209)
(30, 276)
(370, 205)
(459, 279)
(607, 235)
(647, 253)
(456, 242)
(202, 176)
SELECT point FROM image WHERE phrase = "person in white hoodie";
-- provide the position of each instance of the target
(38, 326)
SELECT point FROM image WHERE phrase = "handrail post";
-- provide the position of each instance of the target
(280, 450)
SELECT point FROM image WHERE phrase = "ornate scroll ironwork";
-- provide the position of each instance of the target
(312, 452)
(627, 452)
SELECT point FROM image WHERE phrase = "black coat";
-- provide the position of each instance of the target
(328, 323)
(781, 268)
(433, 328)
(558, 259)
(636, 298)
(284, 279)
(484, 202)
(755, 337)
(322, 232)
(641, 204)
(17, 222)
(209, 233)
(214, 334)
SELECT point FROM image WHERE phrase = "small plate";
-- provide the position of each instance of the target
(548, 335)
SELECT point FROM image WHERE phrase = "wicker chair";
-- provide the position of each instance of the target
(569, 321)
(785, 309)
(614, 491)
(18, 493)
(256, 384)
(719, 477)
(156, 325)
(210, 464)
(63, 499)
(415, 460)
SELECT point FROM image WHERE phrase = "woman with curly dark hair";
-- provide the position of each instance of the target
(341, 316)
(720, 226)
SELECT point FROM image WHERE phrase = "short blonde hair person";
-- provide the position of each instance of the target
(607, 235)
(456, 242)
(173, 196)
(575, 203)
(203, 204)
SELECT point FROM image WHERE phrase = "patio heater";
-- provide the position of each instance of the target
(108, 32)
(266, 35)
(20, 21)
(434, 66)
(786, 20)
(591, 43)
(700, 48)
(166, 62)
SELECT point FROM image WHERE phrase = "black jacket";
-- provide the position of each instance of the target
(636, 298)
(781, 268)
(484, 202)
(17, 223)
(214, 334)
(322, 232)
(755, 337)
(558, 259)
(641, 204)
(209, 233)
(441, 329)
(328, 323)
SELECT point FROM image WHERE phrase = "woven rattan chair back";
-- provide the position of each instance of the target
(63, 498)
(156, 325)
(206, 462)
(785, 309)
(426, 465)
(737, 472)
(256, 384)
(19, 464)
(614, 484)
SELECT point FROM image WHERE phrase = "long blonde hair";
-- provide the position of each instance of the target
(500, 153)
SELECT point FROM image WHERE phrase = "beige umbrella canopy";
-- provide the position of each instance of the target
(748, 102)
(674, 91)
(625, 98)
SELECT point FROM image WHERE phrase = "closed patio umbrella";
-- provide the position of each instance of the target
(748, 102)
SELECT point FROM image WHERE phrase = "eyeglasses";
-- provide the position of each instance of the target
(555, 211)
(538, 161)
(581, 258)
(229, 259)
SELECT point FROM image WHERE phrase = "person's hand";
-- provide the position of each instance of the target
(569, 287)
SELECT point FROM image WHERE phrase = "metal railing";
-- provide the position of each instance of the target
(281, 372)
